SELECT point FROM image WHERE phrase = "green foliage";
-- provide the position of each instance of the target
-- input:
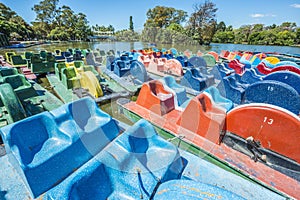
(59, 23)
(224, 37)
(162, 17)
(127, 35)
(165, 36)
(131, 24)
(12, 25)
(202, 24)
(176, 27)
(221, 26)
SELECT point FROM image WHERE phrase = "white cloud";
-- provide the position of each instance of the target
(257, 15)
(270, 15)
(295, 5)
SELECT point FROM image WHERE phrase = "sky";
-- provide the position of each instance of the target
(117, 12)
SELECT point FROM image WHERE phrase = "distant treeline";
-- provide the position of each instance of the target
(163, 25)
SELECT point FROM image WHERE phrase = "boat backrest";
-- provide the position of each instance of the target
(275, 93)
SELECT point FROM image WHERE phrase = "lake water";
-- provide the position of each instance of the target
(126, 46)
(111, 107)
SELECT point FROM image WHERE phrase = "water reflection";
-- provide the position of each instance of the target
(126, 46)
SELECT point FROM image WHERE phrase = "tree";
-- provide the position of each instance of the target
(297, 40)
(162, 17)
(46, 11)
(202, 23)
(13, 25)
(131, 24)
(221, 26)
(176, 27)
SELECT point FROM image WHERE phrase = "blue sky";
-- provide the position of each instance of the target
(117, 12)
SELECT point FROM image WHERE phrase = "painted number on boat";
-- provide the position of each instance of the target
(270, 88)
(268, 120)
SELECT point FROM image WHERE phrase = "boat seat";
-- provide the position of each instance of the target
(8, 56)
(287, 77)
(173, 66)
(17, 60)
(214, 54)
(130, 167)
(275, 93)
(238, 67)
(286, 68)
(21, 86)
(218, 99)
(263, 69)
(121, 67)
(178, 90)
(273, 127)
(102, 53)
(219, 71)
(193, 79)
(37, 64)
(209, 59)
(58, 69)
(287, 63)
(203, 117)
(250, 76)
(95, 127)
(43, 54)
(110, 62)
(78, 63)
(45, 152)
(229, 88)
(154, 97)
(184, 61)
(197, 61)
(91, 68)
(28, 55)
(8, 71)
(191, 190)
(138, 72)
(70, 78)
(240, 82)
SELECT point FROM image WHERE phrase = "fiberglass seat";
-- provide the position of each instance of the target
(130, 167)
(218, 99)
(58, 69)
(193, 79)
(250, 76)
(70, 78)
(203, 117)
(121, 67)
(275, 93)
(8, 71)
(47, 148)
(17, 60)
(178, 90)
(94, 127)
(231, 90)
(273, 127)
(154, 97)
(287, 77)
(21, 86)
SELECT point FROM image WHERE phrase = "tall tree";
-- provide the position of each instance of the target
(46, 11)
(131, 24)
(162, 17)
(202, 23)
